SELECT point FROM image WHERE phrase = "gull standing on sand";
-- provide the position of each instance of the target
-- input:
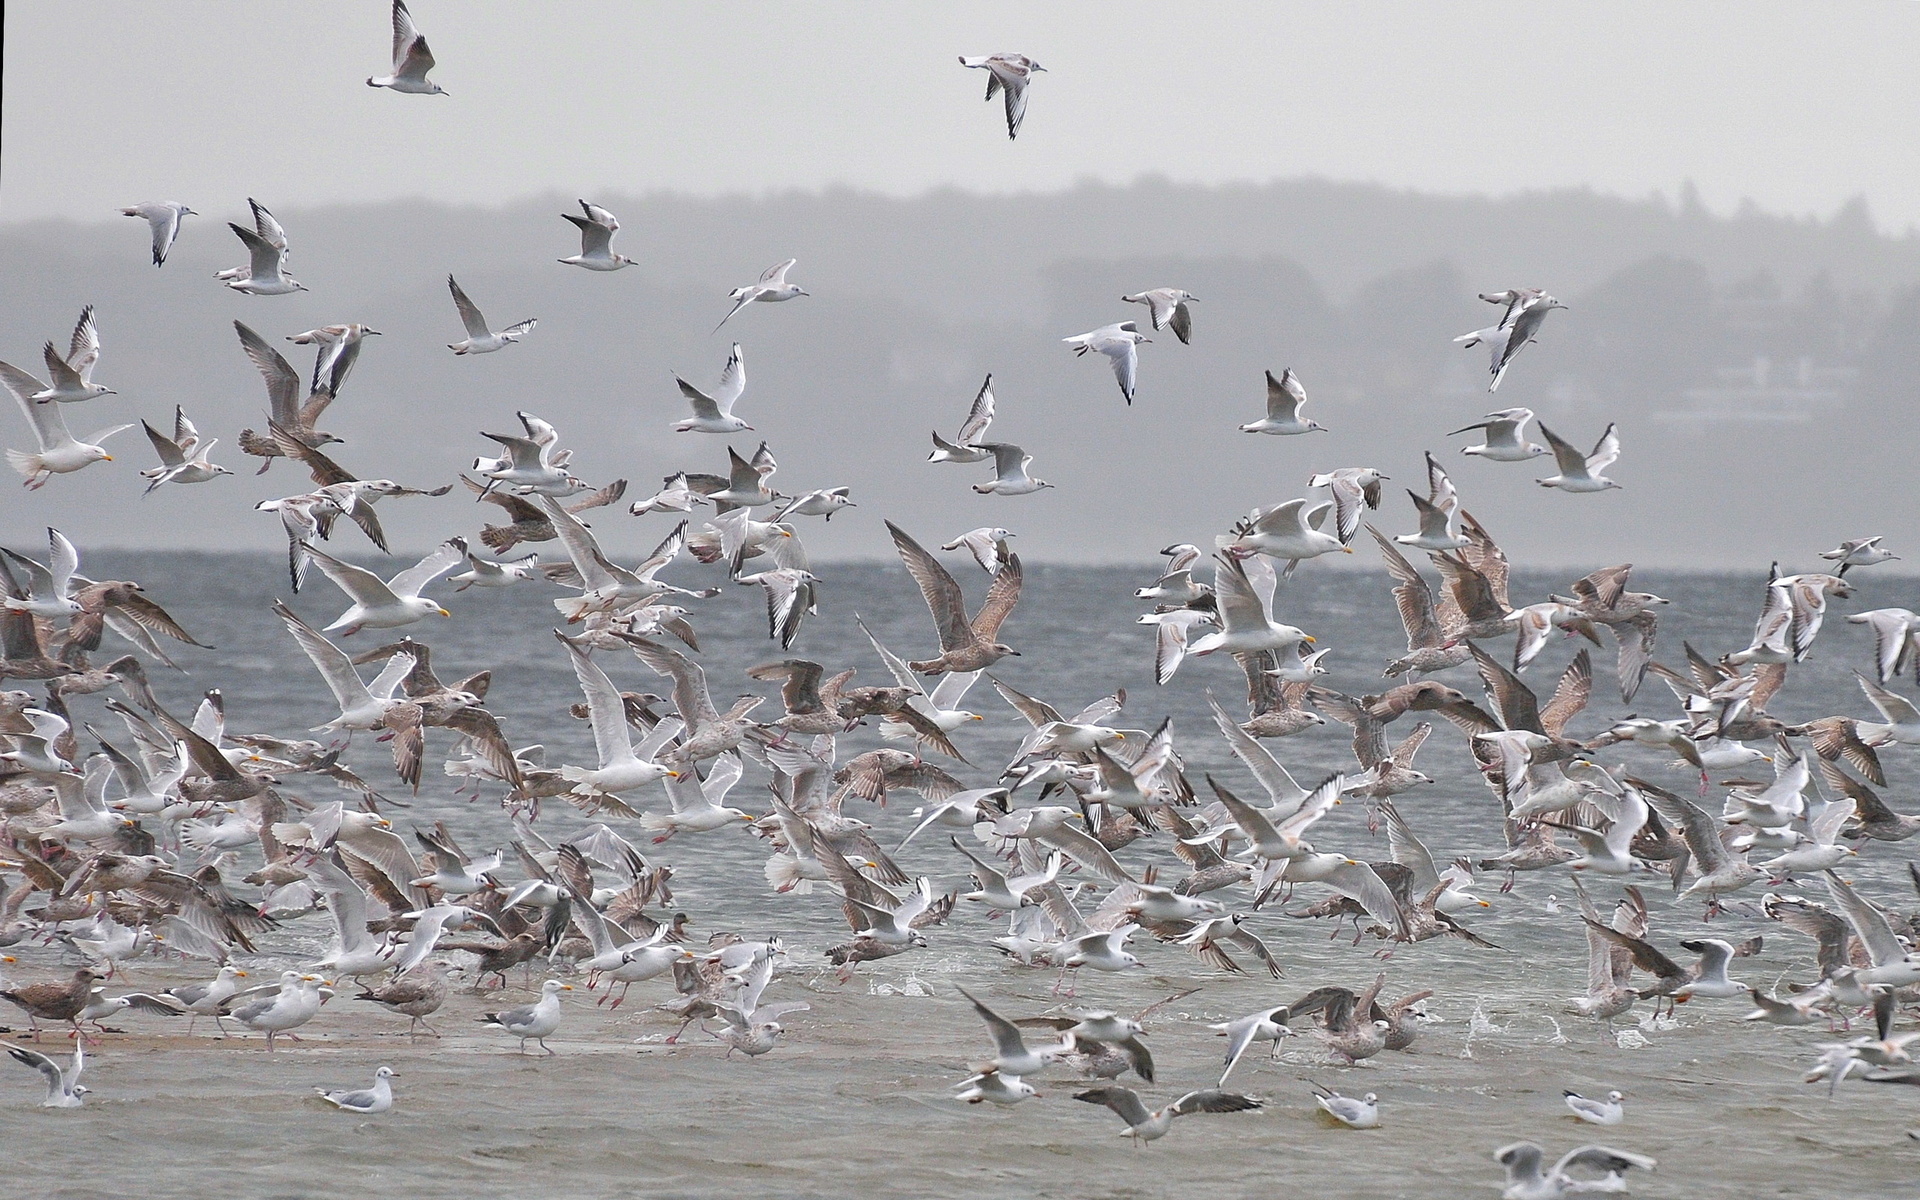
(411, 58)
(164, 218)
(1285, 395)
(480, 338)
(368, 1100)
(771, 288)
(64, 1089)
(1010, 465)
(1168, 307)
(57, 451)
(390, 603)
(532, 1022)
(72, 376)
(1120, 342)
(1505, 436)
(966, 447)
(596, 240)
(1582, 472)
(183, 457)
(1009, 73)
(292, 1004)
(714, 413)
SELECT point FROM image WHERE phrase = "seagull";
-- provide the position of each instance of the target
(1012, 1056)
(771, 288)
(714, 413)
(1582, 472)
(532, 1022)
(964, 645)
(292, 1004)
(362, 705)
(375, 1099)
(481, 339)
(1899, 717)
(57, 451)
(485, 573)
(266, 271)
(1246, 612)
(1145, 1126)
(1007, 73)
(1285, 396)
(1289, 530)
(621, 768)
(411, 58)
(1267, 1025)
(1120, 342)
(596, 240)
(1010, 465)
(1858, 552)
(64, 1089)
(1350, 487)
(1896, 638)
(995, 1088)
(1362, 1113)
(1167, 307)
(1597, 1112)
(988, 545)
(339, 348)
(183, 457)
(1505, 439)
(72, 376)
(966, 447)
(1526, 1180)
(530, 463)
(1526, 309)
(164, 216)
(389, 604)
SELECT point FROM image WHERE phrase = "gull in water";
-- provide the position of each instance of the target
(164, 217)
(1146, 1126)
(480, 338)
(771, 288)
(57, 451)
(532, 1022)
(714, 413)
(411, 58)
(339, 349)
(1355, 1113)
(596, 240)
(1597, 1112)
(1526, 309)
(1010, 465)
(1527, 1180)
(1582, 472)
(391, 603)
(1859, 552)
(64, 1089)
(266, 271)
(72, 375)
(1120, 342)
(994, 1088)
(966, 446)
(1009, 73)
(1167, 308)
(1285, 396)
(1505, 436)
(184, 458)
(964, 645)
(368, 1100)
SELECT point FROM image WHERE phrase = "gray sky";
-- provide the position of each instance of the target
(1795, 106)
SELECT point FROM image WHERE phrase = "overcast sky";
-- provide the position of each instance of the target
(1795, 106)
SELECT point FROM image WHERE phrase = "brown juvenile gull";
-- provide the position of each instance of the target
(964, 645)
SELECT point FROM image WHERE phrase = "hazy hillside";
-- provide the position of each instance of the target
(1358, 288)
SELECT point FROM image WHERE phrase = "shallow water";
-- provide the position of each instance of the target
(857, 1098)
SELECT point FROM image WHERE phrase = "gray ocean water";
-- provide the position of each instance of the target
(857, 1100)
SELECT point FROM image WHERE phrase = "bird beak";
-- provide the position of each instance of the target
(975, 717)
(1346, 549)
(107, 457)
(1308, 638)
(566, 987)
(673, 774)
(237, 974)
(443, 612)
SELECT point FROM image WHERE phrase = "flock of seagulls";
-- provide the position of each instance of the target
(126, 824)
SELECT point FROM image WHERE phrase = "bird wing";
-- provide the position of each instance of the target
(1868, 922)
(941, 591)
(470, 317)
(1002, 595)
(979, 417)
(1083, 849)
(1279, 785)
(332, 662)
(49, 427)
(1411, 595)
(606, 711)
(1605, 452)
(1570, 695)
(362, 586)
(1408, 850)
(1123, 1101)
(1212, 1100)
(283, 382)
(415, 579)
(1359, 882)
(690, 693)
